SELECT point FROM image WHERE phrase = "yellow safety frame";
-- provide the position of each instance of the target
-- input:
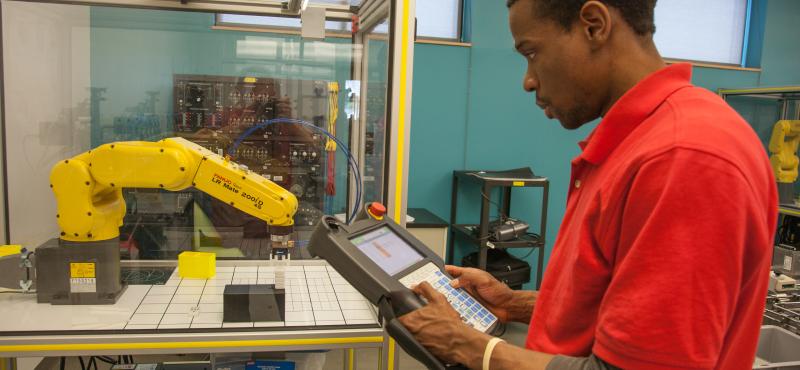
(16, 348)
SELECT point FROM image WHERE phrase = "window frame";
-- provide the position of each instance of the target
(459, 31)
(746, 39)
(221, 25)
(248, 27)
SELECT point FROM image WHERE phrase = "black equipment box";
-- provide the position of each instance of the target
(503, 266)
(246, 303)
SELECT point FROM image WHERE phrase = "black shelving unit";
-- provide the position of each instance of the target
(478, 234)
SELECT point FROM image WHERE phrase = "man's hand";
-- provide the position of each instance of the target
(497, 297)
(439, 328)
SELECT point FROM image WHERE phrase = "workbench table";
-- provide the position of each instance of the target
(322, 312)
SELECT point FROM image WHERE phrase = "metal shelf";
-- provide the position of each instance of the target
(478, 234)
(525, 241)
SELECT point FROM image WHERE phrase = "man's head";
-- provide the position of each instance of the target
(581, 52)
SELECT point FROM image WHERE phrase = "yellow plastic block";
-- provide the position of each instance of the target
(7, 250)
(197, 265)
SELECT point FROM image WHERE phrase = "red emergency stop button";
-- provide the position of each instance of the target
(377, 210)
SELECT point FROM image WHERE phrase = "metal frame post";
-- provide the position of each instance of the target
(401, 41)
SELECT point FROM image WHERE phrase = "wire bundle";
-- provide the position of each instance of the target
(330, 145)
(350, 159)
(333, 114)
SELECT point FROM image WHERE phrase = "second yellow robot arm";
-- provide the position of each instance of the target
(88, 187)
(783, 150)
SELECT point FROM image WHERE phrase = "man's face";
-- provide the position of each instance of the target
(562, 70)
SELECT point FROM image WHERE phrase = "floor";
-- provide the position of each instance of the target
(331, 360)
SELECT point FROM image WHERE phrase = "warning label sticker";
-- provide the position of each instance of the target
(82, 277)
(81, 270)
(83, 285)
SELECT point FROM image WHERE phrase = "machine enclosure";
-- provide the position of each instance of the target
(786, 260)
(53, 271)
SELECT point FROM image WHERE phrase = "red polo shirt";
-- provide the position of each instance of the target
(663, 255)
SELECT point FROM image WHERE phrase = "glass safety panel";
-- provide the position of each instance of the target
(77, 77)
(376, 72)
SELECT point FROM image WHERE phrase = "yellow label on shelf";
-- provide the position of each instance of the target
(519, 183)
(249, 80)
(81, 270)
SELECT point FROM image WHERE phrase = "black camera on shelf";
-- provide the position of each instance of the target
(507, 228)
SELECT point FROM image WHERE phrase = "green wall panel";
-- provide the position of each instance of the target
(439, 116)
(781, 53)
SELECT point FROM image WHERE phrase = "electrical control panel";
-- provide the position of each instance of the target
(216, 111)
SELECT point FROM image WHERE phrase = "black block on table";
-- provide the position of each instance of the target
(249, 303)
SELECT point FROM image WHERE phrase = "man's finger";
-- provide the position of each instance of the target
(467, 278)
(454, 271)
(426, 291)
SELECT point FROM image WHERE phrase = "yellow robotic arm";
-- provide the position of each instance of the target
(88, 187)
(783, 149)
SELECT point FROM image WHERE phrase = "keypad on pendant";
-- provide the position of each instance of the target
(470, 310)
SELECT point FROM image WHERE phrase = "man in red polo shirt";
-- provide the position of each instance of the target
(663, 256)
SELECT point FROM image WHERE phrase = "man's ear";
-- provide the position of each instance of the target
(596, 23)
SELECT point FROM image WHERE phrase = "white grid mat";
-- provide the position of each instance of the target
(315, 296)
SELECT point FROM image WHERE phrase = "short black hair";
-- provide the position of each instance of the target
(640, 14)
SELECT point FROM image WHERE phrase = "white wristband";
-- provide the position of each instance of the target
(487, 354)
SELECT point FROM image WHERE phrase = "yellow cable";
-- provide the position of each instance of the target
(333, 114)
